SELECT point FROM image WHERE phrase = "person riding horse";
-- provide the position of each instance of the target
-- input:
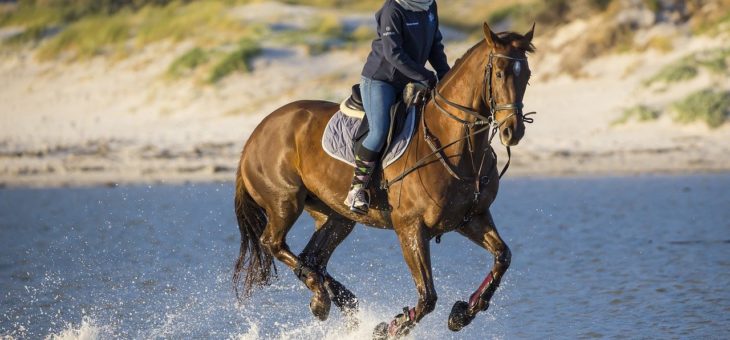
(408, 36)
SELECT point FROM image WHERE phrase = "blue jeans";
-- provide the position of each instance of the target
(377, 98)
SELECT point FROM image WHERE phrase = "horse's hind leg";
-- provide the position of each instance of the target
(330, 230)
(281, 217)
(482, 231)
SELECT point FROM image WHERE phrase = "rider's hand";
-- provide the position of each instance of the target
(430, 82)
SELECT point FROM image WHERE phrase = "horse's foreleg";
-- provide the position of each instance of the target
(416, 252)
(282, 216)
(330, 231)
(482, 231)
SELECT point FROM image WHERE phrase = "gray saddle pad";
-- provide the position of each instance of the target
(340, 130)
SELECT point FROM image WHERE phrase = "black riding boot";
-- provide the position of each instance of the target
(358, 198)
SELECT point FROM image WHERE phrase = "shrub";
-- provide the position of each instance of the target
(315, 46)
(362, 33)
(328, 26)
(712, 107)
(683, 69)
(641, 113)
(350, 4)
(716, 61)
(712, 22)
(660, 43)
(187, 62)
(505, 13)
(88, 37)
(236, 61)
(204, 22)
(178, 22)
(31, 34)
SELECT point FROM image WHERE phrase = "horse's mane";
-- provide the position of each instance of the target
(466, 54)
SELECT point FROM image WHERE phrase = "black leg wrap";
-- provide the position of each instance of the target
(367, 154)
(341, 296)
(302, 272)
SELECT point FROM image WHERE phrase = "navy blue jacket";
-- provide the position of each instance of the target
(406, 40)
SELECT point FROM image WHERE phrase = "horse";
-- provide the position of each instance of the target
(283, 170)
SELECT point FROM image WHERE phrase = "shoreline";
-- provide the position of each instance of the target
(114, 179)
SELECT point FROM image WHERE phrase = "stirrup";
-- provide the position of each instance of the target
(358, 200)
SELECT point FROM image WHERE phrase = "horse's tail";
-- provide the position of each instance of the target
(258, 262)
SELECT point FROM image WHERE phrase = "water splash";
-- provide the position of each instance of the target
(87, 330)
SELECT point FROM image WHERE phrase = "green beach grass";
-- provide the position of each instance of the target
(708, 105)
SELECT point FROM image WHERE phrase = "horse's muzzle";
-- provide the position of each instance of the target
(508, 137)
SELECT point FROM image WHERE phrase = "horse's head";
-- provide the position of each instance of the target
(506, 77)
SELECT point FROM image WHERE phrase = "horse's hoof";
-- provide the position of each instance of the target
(381, 331)
(341, 297)
(320, 305)
(459, 317)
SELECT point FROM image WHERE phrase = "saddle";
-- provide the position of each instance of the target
(348, 127)
(353, 107)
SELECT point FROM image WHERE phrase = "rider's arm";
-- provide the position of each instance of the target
(437, 57)
(391, 26)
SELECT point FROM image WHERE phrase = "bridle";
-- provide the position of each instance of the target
(480, 124)
(491, 102)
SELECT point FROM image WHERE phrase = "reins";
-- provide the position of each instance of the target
(482, 123)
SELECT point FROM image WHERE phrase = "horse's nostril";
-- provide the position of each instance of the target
(507, 133)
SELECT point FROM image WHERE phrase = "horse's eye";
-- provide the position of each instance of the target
(499, 74)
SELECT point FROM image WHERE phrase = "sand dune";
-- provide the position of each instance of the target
(110, 122)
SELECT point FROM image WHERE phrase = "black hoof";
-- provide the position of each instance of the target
(320, 306)
(381, 331)
(459, 317)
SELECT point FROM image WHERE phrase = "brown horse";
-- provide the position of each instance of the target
(284, 170)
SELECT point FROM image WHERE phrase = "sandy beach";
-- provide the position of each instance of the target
(120, 121)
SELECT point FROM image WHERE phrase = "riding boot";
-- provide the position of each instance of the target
(358, 198)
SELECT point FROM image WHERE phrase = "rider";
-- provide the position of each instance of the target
(408, 36)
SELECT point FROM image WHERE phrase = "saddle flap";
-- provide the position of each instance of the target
(338, 138)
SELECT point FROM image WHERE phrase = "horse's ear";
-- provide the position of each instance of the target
(491, 38)
(528, 35)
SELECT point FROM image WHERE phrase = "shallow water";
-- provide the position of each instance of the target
(637, 257)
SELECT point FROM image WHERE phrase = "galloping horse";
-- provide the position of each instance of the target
(447, 187)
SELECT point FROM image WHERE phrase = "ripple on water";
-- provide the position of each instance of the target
(592, 258)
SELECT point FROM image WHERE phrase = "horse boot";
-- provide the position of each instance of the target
(399, 327)
(358, 198)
